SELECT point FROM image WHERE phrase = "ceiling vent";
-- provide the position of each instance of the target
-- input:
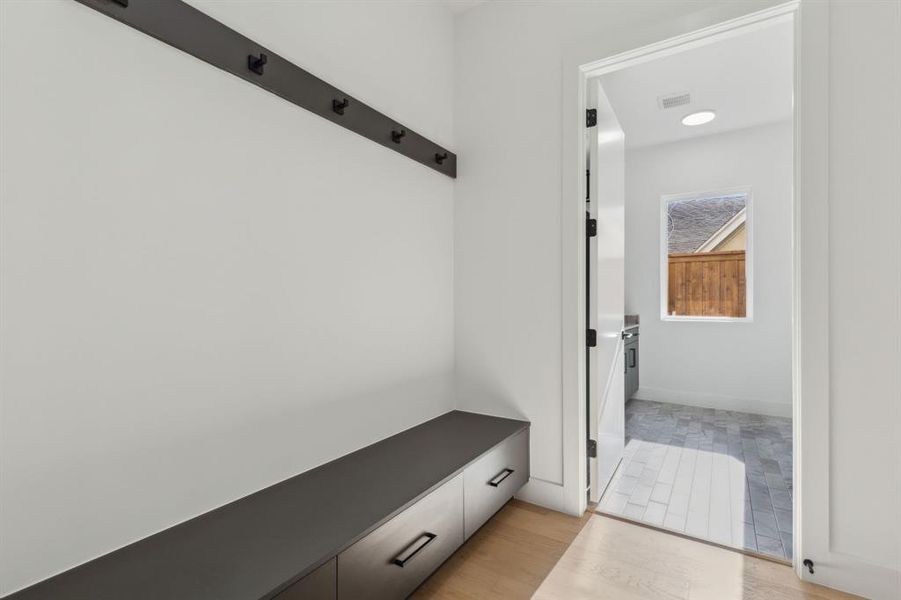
(674, 100)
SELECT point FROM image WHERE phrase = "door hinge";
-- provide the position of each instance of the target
(591, 228)
(592, 449)
(591, 338)
(591, 117)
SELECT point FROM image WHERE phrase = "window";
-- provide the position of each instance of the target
(705, 256)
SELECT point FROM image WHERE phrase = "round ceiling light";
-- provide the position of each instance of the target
(698, 118)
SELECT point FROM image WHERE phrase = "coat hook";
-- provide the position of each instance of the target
(255, 64)
(339, 107)
(440, 158)
(397, 136)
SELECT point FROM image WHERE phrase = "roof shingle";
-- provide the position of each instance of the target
(693, 221)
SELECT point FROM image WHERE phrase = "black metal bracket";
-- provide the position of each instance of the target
(592, 448)
(182, 26)
(339, 107)
(591, 117)
(591, 228)
(256, 63)
(591, 338)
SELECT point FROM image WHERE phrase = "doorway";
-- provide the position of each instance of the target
(690, 392)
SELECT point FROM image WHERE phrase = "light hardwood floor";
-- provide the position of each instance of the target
(611, 559)
(508, 557)
(526, 551)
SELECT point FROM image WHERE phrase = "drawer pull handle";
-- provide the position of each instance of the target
(499, 478)
(413, 549)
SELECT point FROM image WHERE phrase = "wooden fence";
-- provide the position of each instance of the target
(708, 284)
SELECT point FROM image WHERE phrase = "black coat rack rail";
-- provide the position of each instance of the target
(190, 30)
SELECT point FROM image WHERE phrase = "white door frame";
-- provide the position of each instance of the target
(810, 241)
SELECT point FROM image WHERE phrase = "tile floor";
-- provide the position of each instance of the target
(716, 475)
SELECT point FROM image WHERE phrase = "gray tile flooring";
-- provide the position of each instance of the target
(717, 475)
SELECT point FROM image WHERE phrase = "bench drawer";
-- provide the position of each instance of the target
(394, 559)
(318, 585)
(493, 479)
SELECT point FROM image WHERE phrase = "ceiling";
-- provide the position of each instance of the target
(746, 79)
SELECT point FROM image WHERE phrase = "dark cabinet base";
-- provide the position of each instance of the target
(284, 530)
(318, 585)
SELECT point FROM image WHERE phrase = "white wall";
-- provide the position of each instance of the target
(206, 289)
(729, 365)
(864, 476)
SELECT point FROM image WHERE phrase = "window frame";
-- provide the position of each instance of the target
(663, 267)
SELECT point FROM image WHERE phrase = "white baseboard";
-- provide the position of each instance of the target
(748, 405)
(543, 493)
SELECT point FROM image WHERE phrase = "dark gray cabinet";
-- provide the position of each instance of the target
(392, 512)
(318, 585)
(394, 559)
(493, 479)
(632, 361)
